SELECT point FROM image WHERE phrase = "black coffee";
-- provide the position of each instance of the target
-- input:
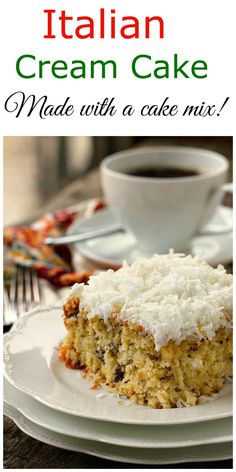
(162, 172)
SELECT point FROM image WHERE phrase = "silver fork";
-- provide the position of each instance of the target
(9, 312)
(24, 294)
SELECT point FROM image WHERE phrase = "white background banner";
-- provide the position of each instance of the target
(193, 31)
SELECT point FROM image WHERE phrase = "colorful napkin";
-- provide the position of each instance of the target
(25, 246)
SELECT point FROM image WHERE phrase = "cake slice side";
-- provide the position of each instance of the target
(122, 357)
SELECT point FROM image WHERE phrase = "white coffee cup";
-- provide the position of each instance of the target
(164, 213)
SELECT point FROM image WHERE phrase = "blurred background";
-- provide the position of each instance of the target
(48, 173)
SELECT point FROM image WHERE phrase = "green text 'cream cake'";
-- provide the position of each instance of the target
(158, 331)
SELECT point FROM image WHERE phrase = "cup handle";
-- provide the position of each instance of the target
(218, 229)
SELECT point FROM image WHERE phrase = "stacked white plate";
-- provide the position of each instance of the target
(57, 406)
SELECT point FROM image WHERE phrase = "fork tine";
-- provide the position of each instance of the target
(28, 290)
(20, 290)
(25, 291)
(12, 291)
(6, 307)
(37, 296)
(9, 312)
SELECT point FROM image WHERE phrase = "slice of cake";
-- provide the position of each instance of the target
(158, 331)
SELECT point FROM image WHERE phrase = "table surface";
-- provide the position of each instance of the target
(24, 452)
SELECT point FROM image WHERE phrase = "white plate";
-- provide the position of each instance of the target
(212, 452)
(218, 431)
(112, 250)
(31, 364)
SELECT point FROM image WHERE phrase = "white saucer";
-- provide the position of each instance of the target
(210, 452)
(111, 251)
(31, 365)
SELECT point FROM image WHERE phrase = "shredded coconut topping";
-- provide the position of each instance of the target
(171, 296)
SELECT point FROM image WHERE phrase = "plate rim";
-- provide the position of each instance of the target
(49, 403)
(17, 417)
(29, 413)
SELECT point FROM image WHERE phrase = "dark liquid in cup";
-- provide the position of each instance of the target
(162, 172)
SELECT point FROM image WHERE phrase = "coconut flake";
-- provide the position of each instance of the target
(172, 296)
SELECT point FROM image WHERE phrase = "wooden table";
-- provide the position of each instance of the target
(23, 452)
